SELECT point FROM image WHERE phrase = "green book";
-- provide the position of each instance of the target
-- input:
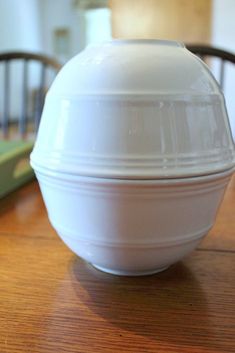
(15, 169)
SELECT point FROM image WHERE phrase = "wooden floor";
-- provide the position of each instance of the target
(53, 302)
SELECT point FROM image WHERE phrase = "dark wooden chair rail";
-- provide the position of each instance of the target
(25, 57)
(204, 51)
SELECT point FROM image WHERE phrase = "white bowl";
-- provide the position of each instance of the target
(131, 227)
(133, 154)
(135, 109)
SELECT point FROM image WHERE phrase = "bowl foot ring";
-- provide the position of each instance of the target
(129, 273)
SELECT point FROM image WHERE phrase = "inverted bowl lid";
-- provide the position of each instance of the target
(133, 67)
(134, 109)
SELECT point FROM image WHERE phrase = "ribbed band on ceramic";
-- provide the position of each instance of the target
(135, 137)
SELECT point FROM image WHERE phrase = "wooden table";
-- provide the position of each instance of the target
(51, 301)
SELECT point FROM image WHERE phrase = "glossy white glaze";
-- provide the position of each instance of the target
(132, 227)
(133, 154)
(134, 67)
(135, 109)
(140, 138)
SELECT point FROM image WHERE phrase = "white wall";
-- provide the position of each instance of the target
(85, 26)
(223, 30)
(20, 27)
(223, 36)
(61, 14)
(20, 30)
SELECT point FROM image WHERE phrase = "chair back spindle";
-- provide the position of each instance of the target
(6, 98)
(204, 52)
(46, 64)
(23, 116)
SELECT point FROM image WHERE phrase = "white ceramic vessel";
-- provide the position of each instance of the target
(132, 227)
(133, 154)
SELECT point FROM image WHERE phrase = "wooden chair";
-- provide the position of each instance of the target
(45, 64)
(204, 52)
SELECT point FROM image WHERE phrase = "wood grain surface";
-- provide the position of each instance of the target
(183, 20)
(52, 301)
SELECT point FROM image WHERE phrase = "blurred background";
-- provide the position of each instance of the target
(62, 28)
